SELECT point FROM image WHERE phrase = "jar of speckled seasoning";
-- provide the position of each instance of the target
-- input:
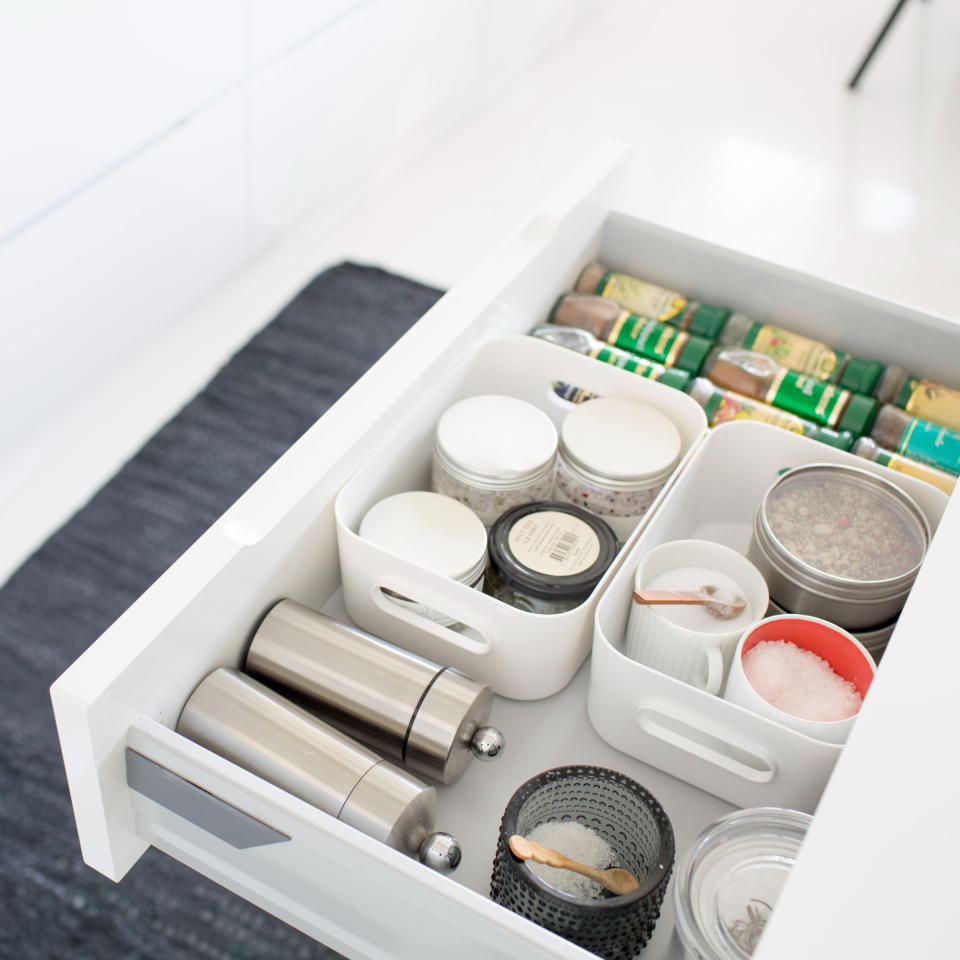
(493, 452)
(615, 456)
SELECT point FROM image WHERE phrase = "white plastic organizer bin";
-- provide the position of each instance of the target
(522, 655)
(117, 705)
(696, 736)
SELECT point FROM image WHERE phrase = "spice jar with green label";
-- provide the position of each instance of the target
(725, 406)
(869, 449)
(917, 439)
(607, 321)
(582, 341)
(652, 301)
(796, 352)
(919, 397)
(759, 376)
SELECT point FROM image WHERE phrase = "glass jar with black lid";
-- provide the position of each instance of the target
(547, 557)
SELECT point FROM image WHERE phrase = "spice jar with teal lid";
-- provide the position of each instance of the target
(654, 302)
(610, 323)
(917, 439)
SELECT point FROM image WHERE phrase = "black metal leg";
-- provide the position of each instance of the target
(876, 43)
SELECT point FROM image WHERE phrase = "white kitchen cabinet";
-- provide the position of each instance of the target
(871, 881)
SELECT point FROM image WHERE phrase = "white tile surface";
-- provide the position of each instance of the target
(747, 136)
(167, 225)
(87, 84)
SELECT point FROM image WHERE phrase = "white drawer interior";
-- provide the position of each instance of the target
(279, 540)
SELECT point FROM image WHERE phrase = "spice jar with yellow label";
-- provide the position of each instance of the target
(652, 301)
(870, 450)
(796, 352)
(920, 398)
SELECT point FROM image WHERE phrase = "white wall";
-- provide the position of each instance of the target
(150, 148)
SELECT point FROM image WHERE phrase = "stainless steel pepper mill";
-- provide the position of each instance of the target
(242, 720)
(430, 718)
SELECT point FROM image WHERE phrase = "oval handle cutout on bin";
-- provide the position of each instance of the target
(734, 758)
(397, 603)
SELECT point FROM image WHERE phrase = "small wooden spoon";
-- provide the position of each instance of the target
(616, 879)
(721, 609)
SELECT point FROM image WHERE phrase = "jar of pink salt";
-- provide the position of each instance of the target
(838, 542)
(802, 672)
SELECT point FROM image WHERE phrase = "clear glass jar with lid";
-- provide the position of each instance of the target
(493, 452)
(615, 456)
(728, 882)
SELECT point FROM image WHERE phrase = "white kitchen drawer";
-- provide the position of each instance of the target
(116, 706)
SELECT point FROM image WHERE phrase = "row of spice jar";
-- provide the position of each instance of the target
(614, 302)
(761, 372)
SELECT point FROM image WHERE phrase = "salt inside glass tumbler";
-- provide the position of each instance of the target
(624, 814)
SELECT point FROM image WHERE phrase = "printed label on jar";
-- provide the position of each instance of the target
(724, 407)
(553, 543)
(932, 444)
(792, 351)
(931, 401)
(625, 362)
(919, 470)
(655, 341)
(807, 397)
(638, 296)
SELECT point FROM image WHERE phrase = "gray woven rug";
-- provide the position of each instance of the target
(94, 567)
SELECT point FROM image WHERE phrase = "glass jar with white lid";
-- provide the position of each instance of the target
(493, 452)
(615, 456)
(434, 532)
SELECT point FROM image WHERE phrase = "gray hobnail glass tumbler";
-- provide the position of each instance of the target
(629, 818)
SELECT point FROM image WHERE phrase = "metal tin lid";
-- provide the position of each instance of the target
(843, 530)
(431, 530)
(620, 443)
(496, 438)
(551, 550)
(728, 882)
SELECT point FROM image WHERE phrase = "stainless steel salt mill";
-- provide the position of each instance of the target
(254, 727)
(430, 718)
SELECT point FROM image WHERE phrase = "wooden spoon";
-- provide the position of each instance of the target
(616, 879)
(721, 609)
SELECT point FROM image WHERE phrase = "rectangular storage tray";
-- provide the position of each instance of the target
(125, 693)
(715, 745)
(502, 646)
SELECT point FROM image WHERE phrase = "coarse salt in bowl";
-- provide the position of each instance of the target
(843, 654)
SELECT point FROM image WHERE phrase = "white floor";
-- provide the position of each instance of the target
(748, 136)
